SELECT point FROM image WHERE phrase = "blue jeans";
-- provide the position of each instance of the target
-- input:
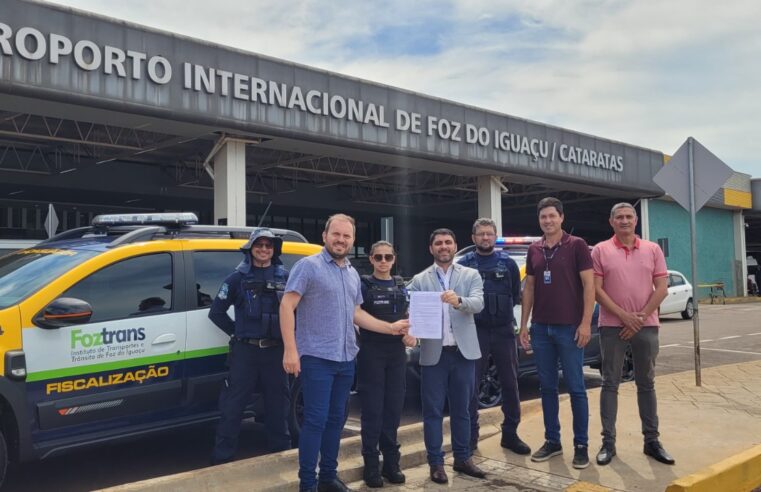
(553, 344)
(325, 385)
(451, 379)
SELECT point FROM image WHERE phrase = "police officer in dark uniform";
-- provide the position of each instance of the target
(496, 333)
(381, 368)
(256, 347)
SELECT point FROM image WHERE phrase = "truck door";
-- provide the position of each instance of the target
(126, 361)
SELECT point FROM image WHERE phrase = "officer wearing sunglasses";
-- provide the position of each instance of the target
(256, 345)
(381, 366)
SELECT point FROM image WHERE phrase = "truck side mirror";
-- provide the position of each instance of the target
(64, 311)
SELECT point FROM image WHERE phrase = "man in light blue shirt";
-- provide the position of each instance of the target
(321, 344)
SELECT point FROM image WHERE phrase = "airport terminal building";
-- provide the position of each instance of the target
(98, 115)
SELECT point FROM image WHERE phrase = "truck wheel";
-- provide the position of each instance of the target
(627, 371)
(296, 414)
(489, 388)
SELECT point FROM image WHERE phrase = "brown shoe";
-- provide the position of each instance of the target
(469, 468)
(438, 474)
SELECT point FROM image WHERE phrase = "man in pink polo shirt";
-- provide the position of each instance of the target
(630, 284)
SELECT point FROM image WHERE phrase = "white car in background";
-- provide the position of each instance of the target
(680, 298)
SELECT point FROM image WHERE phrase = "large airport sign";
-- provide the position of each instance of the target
(108, 61)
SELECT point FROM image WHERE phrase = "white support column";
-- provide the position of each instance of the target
(741, 253)
(230, 184)
(490, 200)
(387, 229)
(644, 218)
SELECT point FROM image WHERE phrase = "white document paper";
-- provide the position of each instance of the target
(425, 314)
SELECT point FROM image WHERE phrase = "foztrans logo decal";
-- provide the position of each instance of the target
(104, 344)
(106, 337)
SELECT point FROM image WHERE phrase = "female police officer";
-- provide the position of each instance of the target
(381, 365)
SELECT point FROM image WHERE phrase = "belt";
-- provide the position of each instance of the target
(449, 348)
(260, 342)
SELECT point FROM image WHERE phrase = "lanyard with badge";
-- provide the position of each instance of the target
(441, 280)
(443, 288)
(547, 259)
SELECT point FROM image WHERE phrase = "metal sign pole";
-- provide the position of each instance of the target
(707, 173)
(694, 254)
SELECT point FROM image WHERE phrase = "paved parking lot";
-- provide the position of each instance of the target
(729, 333)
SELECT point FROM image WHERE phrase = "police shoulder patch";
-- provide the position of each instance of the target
(222, 294)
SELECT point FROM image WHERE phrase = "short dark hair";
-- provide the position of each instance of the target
(550, 201)
(485, 222)
(441, 232)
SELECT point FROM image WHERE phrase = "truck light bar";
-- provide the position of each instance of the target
(502, 240)
(179, 218)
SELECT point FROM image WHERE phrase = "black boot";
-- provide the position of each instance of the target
(371, 474)
(391, 470)
(511, 441)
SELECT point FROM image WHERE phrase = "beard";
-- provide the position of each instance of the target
(486, 250)
(445, 257)
(334, 255)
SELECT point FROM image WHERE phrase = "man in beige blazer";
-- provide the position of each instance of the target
(448, 363)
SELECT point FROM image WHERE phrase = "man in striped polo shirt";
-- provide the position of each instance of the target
(630, 284)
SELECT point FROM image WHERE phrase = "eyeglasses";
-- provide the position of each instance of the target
(264, 244)
(380, 258)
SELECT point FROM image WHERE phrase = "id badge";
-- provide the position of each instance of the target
(547, 277)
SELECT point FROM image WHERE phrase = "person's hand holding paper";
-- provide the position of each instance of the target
(425, 314)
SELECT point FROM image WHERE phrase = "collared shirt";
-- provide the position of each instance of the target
(444, 278)
(628, 275)
(325, 314)
(561, 301)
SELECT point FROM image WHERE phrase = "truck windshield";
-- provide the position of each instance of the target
(25, 271)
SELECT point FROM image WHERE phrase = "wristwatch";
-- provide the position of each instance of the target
(459, 299)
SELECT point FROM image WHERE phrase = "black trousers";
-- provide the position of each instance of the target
(500, 343)
(381, 373)
(251, 366)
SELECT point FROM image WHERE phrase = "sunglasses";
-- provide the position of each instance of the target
(380, 257)
(264, 244)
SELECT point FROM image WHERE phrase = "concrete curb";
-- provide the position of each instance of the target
(582, 486)
(731, 300)
(741, 472)
(279, 471)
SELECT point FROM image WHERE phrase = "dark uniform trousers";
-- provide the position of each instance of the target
(500, 343)
(252, 367)
(381, 368)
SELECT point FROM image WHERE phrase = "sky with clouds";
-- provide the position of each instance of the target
(644, 72)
